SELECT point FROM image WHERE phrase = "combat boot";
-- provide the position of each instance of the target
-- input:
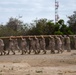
(1, 54)
(13, 53)
(8, 53)
(44, 52)
(4, 53)
(29, 52)
(53, 52)
(38, 52)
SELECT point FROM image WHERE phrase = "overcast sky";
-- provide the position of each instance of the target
(34, 9)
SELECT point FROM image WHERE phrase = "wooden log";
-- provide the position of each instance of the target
(31, 36)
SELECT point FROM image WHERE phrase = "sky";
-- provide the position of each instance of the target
(35, 9)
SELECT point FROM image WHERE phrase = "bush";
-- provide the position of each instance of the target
(58, 33)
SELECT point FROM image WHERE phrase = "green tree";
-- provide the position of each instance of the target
(14, 24)
(72, 22)
(4, 31)
(58, 33)
(63, 28)
(41, 27)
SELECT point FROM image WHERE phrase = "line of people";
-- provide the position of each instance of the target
(36, 45)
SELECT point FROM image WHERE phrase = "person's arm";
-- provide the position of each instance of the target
(11, 37)
(35, 37)
(22, 38)
(29, 38)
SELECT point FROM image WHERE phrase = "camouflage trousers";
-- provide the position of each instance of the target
(2, 50)
(63, 47)
(43, 48)
(23, 50)
(38, 48)
(17, 48)
(68, 47)
(11, 48)
(75, 46)
(52, 48)
(59, 48)
(32, 47)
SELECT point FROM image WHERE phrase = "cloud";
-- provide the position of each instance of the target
(32, 9)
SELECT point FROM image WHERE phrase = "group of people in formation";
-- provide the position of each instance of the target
(36, 45)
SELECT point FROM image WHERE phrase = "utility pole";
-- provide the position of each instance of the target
(56, 11)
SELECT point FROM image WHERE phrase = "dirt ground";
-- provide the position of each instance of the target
(42, 64)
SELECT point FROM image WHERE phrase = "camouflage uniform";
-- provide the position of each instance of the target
(11, 47)
(52, 44)
(23, 46)
(2, 47)
(63, 42)
(37, 45)
(32, 46)
(16, 45)
(42, 44)
(59, 44)
(68, 44)
(74, 37)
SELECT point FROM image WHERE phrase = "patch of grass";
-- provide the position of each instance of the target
(3, 65)
(27, 74)
(16, 62)
(12, 68)
(0, 70)
(60, 73)
(39, 71)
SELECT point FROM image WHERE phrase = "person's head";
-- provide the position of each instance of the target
(42, 37)
(50, 36)
(67, 35)
(55, 36)
(35, 37)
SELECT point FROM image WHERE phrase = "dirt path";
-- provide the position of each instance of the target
(48, 64)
